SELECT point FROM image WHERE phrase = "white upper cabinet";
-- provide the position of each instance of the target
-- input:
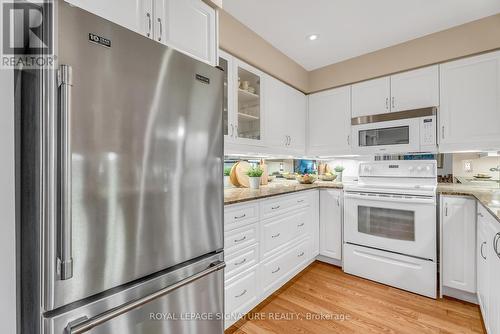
(470, 103)
(189, 26)
(371, 97)
(459, 243)
(415, 89)
(329, 122)
(286, 111)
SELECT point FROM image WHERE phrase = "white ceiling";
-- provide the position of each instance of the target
(349, 28)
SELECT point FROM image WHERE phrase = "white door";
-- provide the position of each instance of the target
(482, 253)
(277, 116)
(329, 122)
(228, 109)
(127, 13)
(459, 243)
(295, 120)
(494, 275)
(470, 103)
(190, 27)
(394, 223)
(330, 220)
(415, 89)
(371, 97)
(249, 86)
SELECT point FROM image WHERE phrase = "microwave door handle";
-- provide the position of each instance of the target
(84, 324)
(64, 248)
(378, 198)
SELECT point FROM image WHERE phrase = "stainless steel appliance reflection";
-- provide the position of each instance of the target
(128, 175)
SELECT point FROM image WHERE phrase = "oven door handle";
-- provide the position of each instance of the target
(389, 198)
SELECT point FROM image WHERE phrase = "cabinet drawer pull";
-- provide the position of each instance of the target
(495, 244)
(301, 254)
(241, 294)
(240, 240)
(482, 254)
(241, 262)
(300, 225)
(239, 217)
(275, 207)
(276, 235)
(479, 214)
(276, 270)
(300, 201)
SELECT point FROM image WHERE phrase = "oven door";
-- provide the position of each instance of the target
(387, 137)
(397, 223)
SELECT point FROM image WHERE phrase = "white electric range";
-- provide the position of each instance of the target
(390, 230)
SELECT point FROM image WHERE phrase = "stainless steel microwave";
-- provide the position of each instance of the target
(398, 132)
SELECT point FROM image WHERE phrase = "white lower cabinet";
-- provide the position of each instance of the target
(488, 269)
(330, 222)
(459, 243)
(267, 242)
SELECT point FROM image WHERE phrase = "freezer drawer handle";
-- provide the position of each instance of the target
(86, 325)
(64, 249)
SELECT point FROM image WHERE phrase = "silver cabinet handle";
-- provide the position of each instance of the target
(289, 140)
(482, 254)
(275, 207)
(241, 294)
(479, 214)
(286, 140)
(276, 235)
(348, 140)
(338, 201)
(236, 131)
(275, 270)
(495, 243)
(393, 102)
(64, 256)
(241, 262)
(300, 201)
(232, 131)
(84, 324)
(387, 103)
(240, 240)
(446, 210)
(239, 217)
(301, 254)
(442, 132)
(150, 24)
(161, 29)
(300, 225)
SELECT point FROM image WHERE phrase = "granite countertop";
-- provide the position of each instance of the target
(280, 187)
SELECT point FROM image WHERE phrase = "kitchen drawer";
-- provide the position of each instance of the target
(275, 206)
(280, 230)
(275, 271)
(241, 260)
(239, 215)
(241, 293)
(404, 272)
(240, 238)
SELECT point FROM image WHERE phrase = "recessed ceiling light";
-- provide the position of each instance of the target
(312, 37)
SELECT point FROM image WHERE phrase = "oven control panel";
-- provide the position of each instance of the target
(428, 134)
(399, 168)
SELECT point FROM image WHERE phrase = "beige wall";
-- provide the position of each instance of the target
(471, 38)
(245, 44)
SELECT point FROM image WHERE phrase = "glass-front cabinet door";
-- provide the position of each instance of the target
(228, 126)
(248, 103)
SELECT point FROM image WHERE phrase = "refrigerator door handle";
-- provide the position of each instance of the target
(64, 251)
(84, 324)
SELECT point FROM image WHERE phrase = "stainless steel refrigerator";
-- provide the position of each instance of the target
(120, 203)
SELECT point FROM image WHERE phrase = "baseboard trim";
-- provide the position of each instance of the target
(461, 295)
(329, 260)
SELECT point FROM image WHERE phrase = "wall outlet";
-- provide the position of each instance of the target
(468, 166)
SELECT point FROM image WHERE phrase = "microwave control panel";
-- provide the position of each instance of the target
(428, 133)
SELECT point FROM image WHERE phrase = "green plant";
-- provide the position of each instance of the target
(227, 171)
(255, 172)
(339, 169)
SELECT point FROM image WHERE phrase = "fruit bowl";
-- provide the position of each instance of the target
(306, 178)
(327, 177)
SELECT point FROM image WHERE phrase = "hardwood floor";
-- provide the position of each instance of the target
(341, 303)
